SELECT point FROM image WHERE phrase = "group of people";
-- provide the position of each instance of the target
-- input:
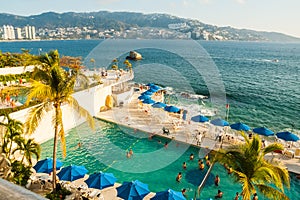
(200, 162)
(8, 100)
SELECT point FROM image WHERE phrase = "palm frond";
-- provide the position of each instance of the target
(39, 91)
(272, 147)
(34, 117)
(81, 111)
(271, 193)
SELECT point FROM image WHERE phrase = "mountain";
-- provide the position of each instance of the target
(122, 21)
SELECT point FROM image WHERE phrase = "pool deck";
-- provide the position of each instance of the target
(152, 120)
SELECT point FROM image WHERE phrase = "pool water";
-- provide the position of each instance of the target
(152, 163)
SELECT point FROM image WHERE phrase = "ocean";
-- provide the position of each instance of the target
(261, 80)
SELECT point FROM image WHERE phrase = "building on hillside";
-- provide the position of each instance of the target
(8, 32)
(19, 33)
(29, 32)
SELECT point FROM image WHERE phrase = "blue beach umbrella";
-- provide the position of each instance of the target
(147, 93)
(240, 127)
(143, 97)
(155, 87)
(149, 101)
(168, 195)
(134, 190)
(288, 136)
(101, 180)
(159, 105)
(152, 90)
(46, 165)
(263, 131)
(150, 84)
(172, 109)
(72, 173)
(219, 122)
(199, 118)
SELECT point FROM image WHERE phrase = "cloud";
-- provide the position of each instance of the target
(107, 2)
(185, 3)
(240, 1)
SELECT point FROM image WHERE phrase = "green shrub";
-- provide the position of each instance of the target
(58, 195)
(21, 173)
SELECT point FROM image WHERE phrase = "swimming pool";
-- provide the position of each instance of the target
(152, 163)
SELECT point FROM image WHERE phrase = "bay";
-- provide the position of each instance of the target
(261, 79)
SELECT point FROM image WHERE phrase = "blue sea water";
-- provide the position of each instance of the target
(260, 92)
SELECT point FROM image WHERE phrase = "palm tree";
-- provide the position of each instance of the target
(128, 65)
(92, 60)
(53, 87)
(253, 171)
(28, 147)
(115, 64)
(13, 129)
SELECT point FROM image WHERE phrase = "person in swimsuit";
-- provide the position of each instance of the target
(179, 177)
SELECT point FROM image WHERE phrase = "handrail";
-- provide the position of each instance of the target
(204, 180)
(205, 177)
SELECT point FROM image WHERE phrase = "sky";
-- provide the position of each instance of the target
(264, 15)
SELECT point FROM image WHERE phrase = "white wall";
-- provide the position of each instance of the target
(45, 130)
(91, 99)
(15, 70)
(123, 97)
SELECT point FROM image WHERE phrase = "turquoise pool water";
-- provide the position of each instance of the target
(152, 163)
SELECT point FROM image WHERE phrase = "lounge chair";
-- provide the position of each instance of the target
(297, 153)
(289, 154)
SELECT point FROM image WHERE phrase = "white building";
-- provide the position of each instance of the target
(177, 26)
(29, 32)
(19, 33)
(8, 32)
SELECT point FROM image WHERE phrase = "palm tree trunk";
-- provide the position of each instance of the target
(23, 158)
(10, 147)
(55, 148)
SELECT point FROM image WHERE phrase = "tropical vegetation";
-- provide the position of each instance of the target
(53, 86)
(253, 171)
(15, 77)
(14, 145)
(17, 59)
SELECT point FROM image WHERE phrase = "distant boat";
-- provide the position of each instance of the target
(133, 55)
(275, 60)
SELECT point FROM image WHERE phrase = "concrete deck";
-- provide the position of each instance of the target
(152, 120)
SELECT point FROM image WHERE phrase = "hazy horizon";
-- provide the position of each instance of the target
(271, 16)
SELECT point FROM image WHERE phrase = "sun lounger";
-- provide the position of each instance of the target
(297, 153)
(94, 193)
(288, 153)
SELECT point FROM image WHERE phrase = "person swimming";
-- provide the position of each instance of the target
(179, 177)
(219, 195)
(166, 145)
(201, 164)
(192, 156)
(236, 196)
(130, 152)
(184, 165)
(208, 162)
(183, 191)
(217, 180)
